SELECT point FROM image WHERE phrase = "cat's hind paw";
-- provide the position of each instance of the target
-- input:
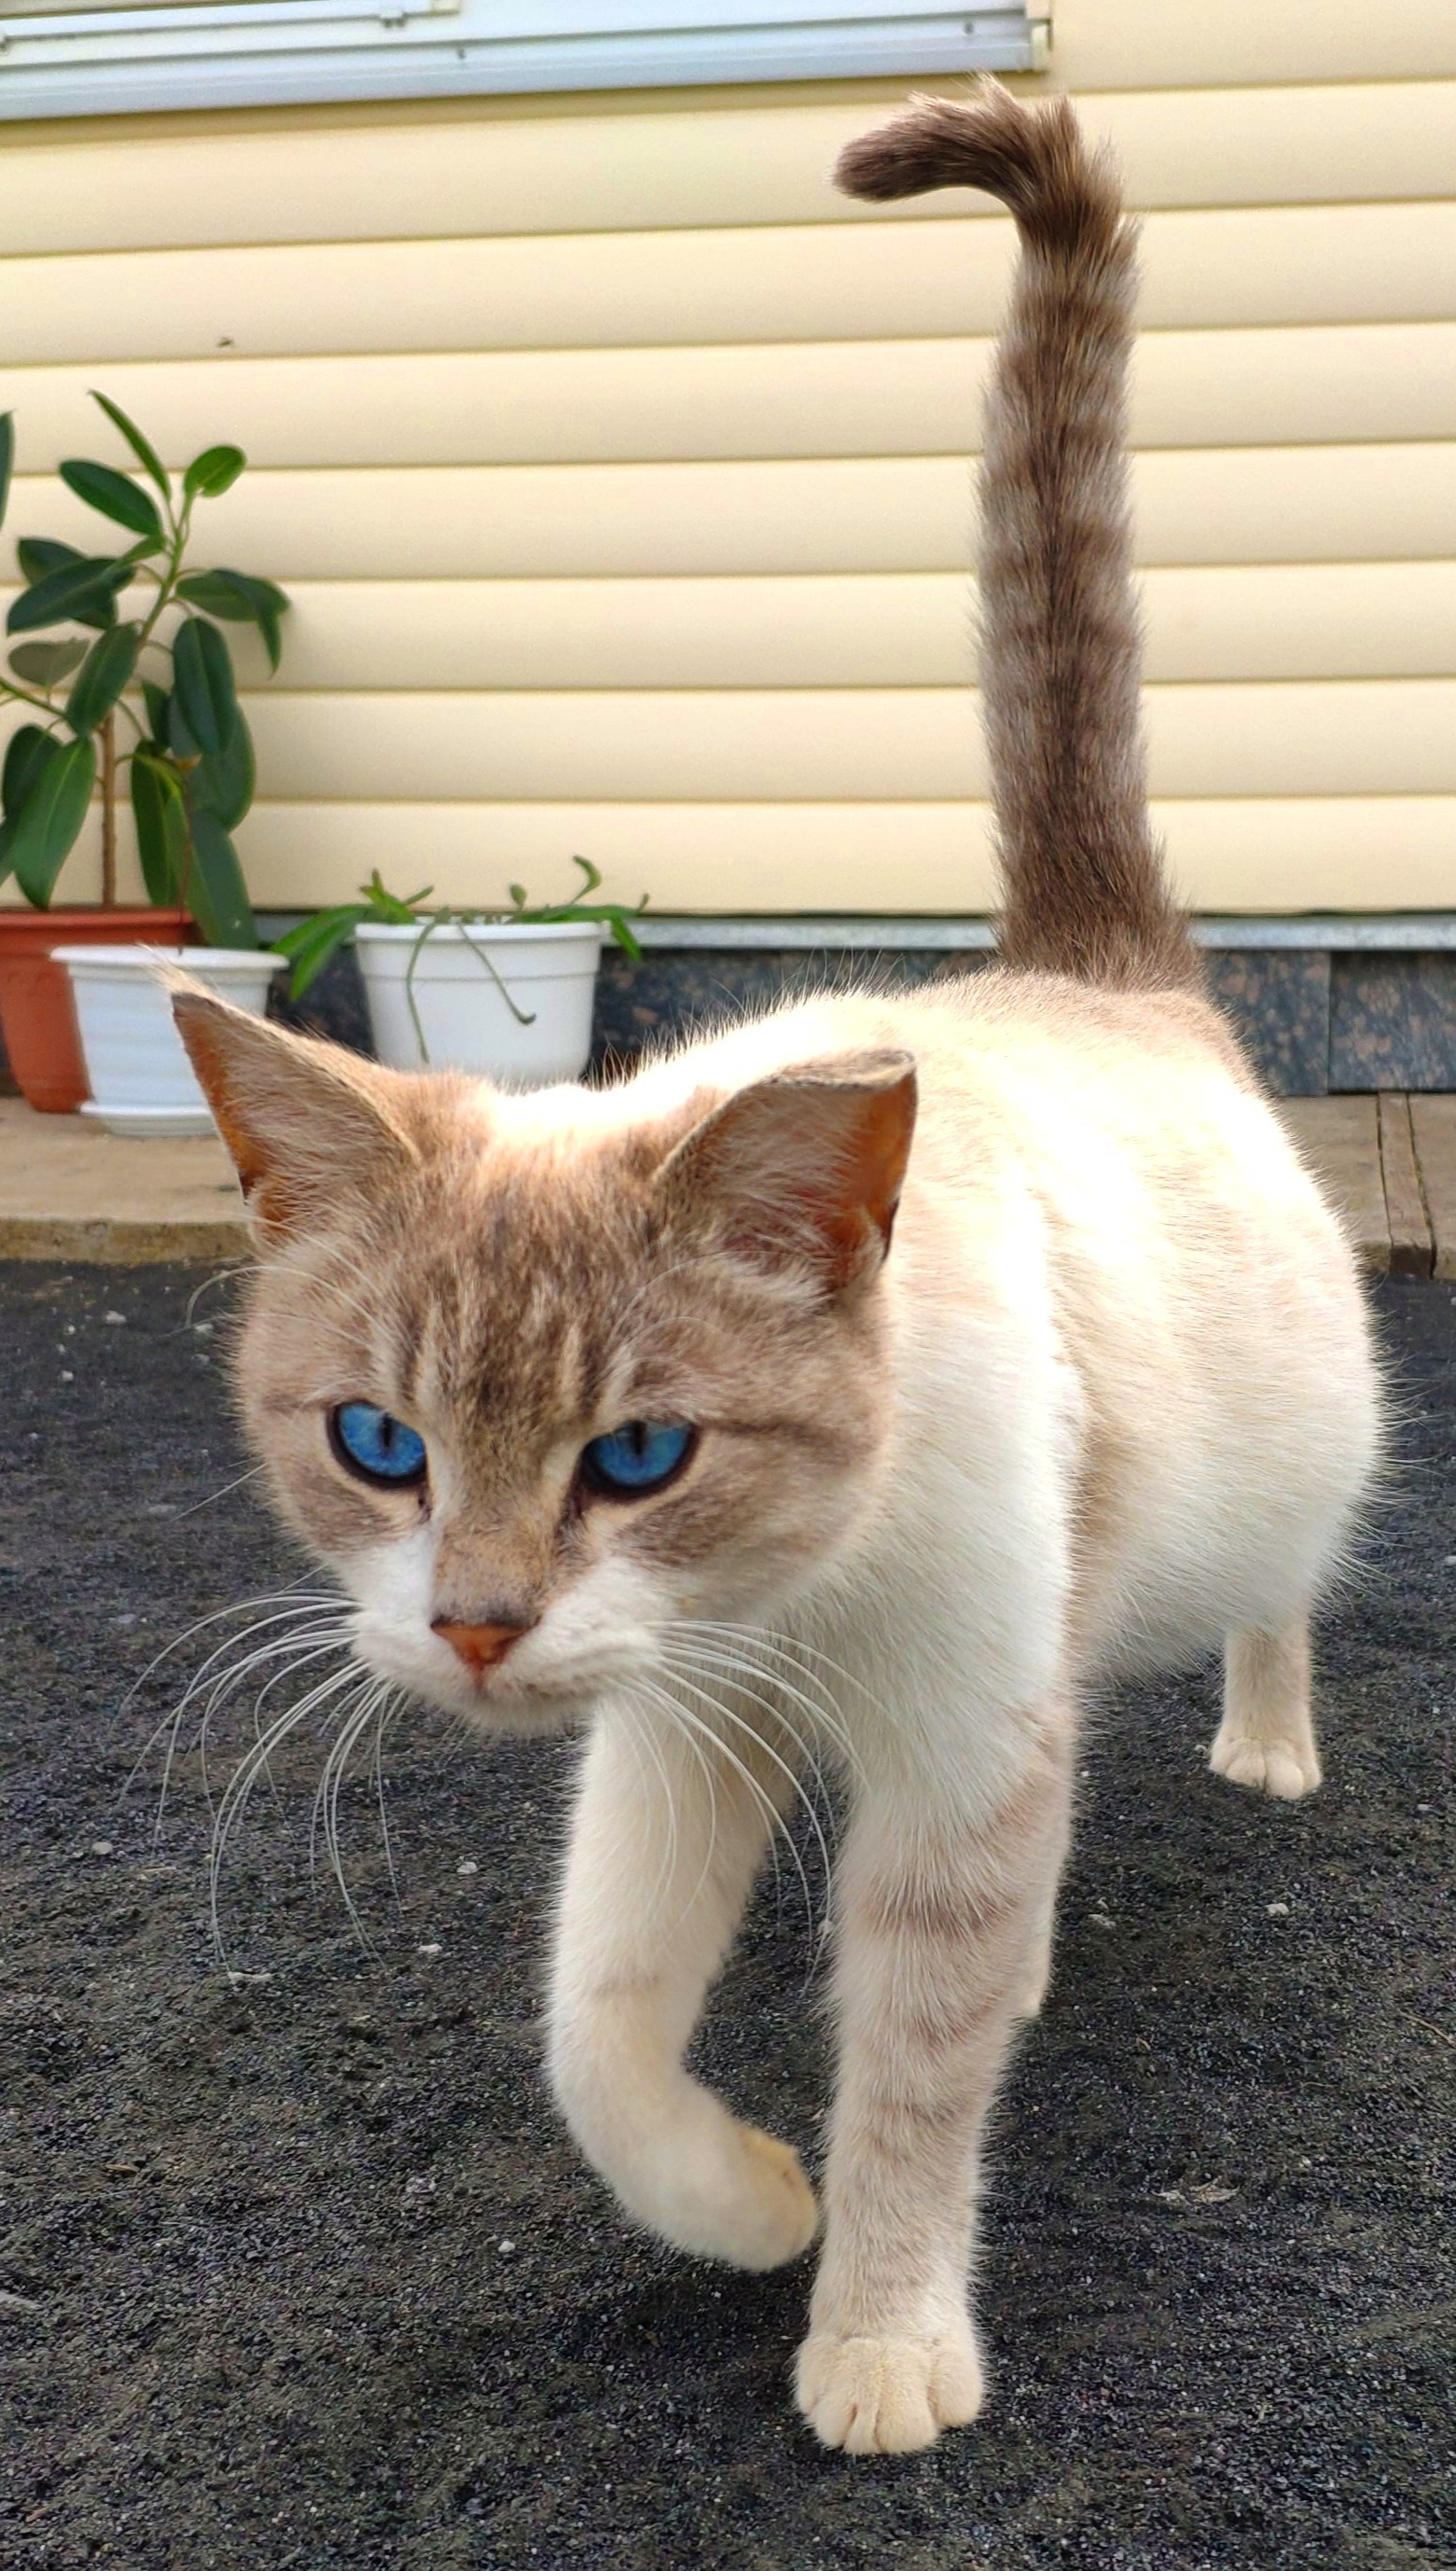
(1284, 1768)
(888, 2396)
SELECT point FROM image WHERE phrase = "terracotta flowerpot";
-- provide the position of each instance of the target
(37, 1015)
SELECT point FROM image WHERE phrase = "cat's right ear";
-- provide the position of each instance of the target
(303, 1123)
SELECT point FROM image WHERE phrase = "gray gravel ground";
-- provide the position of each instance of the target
(299, 2270)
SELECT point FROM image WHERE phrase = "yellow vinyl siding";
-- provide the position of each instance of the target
(1289, 506)
(619, 469)
(1331, 852)
(1219, 270)
(840, 630)
(1366, 381)
(473, 169)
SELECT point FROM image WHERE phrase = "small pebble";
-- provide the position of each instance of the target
(124, 1620)
(505, 2248)
(1277, 1909)
(101, 1847)
(66, 1376)
(115, 1318)
(429, 1951)
(467, 1865)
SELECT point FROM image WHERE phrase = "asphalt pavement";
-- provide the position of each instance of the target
(297, 2268)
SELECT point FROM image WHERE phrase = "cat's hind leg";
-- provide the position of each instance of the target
(669, 1833)
(1266, 1737)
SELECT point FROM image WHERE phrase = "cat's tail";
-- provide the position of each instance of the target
(1084, 886)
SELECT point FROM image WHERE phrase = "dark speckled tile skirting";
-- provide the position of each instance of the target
(1314, 1020)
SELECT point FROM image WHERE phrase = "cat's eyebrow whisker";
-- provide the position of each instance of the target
(251, 1475)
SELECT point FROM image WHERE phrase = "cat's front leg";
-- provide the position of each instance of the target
(942, 1918)
(668, 1835)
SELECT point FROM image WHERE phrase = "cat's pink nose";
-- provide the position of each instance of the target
(480, 1646)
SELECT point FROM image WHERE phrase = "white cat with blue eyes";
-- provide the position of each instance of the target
(700, 1413)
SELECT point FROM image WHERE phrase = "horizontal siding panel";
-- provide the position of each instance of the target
(1192, 389)
(1247, 854)
(851, 630)
(1145, 44)
(1213, 269)
(1370, 736)
(866, 513)
(476, 170)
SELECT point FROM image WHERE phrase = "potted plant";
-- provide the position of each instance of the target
(190, 782)
(507, 993)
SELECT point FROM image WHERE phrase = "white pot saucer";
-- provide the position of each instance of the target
(138, 1120)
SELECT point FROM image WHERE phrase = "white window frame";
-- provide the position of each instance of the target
(243, 52)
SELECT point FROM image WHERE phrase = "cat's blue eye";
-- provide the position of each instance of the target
(375, 1446)
(642, 1457)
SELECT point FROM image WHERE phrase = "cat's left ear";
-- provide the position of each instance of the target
(304, 1122)
(803, 1170)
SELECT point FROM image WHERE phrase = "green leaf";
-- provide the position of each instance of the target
(43, 665)
(49, 824)
(7, 457)
(240, 599)
(76, 590)
(213, 472)
(202, 676)
(107, 667)
(29, 753)
(159, 808)
(224, 780)
(116, 495)
(145, 453)
(216, 894)
(176, 737)
(309, 946)
(37, 555)
(157, 703)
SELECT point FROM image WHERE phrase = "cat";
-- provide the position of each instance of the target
(700, 1411)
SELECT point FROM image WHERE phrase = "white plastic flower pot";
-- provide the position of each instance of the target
(513, 1003)
(141, 1079)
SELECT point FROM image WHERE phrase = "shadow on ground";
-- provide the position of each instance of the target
(298, 2270)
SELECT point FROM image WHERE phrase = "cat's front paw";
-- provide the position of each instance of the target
(888, 2396)
(1284, 1768)
(722, 2190)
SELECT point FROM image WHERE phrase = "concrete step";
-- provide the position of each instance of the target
(69, 1190)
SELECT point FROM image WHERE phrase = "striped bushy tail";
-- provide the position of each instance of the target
(1084, 886)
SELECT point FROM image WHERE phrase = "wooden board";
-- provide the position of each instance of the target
(595, 406)
(1340, 1137)
(1405, 1207)
(1433, 1126)
(614, 164)
(1213, 269)
(1232, 506)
